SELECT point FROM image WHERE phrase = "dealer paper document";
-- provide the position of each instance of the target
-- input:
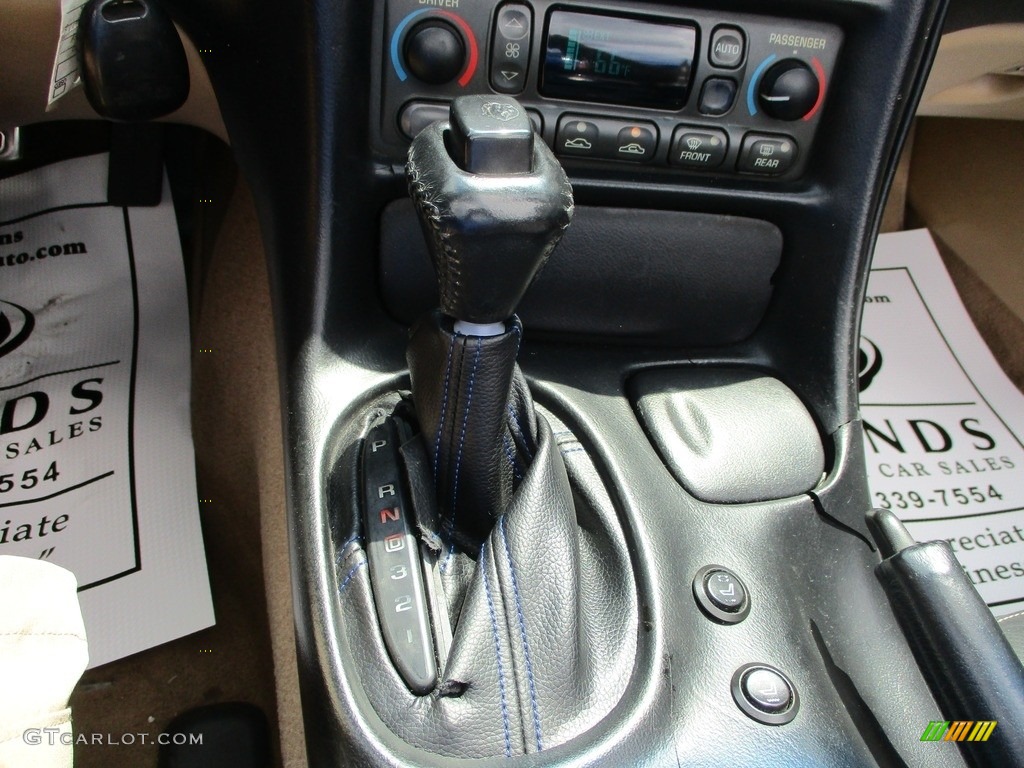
(96, 461)
(944, 425)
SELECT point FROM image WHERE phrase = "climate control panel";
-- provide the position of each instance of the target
(625, 87)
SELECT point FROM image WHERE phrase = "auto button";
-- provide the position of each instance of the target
(727, 47)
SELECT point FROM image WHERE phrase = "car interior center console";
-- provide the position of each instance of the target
(599, 503)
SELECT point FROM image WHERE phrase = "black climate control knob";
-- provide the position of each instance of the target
(789, 90)
(435, 52)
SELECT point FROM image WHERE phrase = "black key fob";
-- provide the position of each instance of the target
(133, 63)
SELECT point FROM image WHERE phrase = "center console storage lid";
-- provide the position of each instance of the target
(729, 436)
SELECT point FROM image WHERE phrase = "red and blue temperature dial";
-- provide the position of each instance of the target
(434, 46)
(787, 89)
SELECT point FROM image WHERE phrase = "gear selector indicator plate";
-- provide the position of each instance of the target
(396, 574)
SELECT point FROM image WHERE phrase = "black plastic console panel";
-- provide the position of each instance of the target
(634, 274)
(671, 84)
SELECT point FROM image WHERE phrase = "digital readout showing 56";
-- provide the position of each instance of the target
(610, 59)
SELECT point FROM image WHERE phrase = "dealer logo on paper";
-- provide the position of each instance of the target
(67, 325)
(16, 324)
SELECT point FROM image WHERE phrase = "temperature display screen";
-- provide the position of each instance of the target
(616, 60)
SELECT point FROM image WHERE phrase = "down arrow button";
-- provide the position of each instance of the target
(510, 48)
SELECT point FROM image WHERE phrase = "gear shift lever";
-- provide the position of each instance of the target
(521, 633)
(493, 203)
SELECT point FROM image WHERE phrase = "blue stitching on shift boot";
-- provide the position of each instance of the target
(522, 631)
(458, 458)
(497, 653)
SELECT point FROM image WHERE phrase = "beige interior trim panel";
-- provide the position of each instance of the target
(973, 74)
(28, 42)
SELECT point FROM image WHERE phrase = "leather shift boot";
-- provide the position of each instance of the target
(543, 606)
(476, 438)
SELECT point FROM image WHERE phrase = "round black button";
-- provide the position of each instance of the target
(434, 52)
(718, 591)
(789, 90)
(765, 694)
(767, 690)
(725, 590)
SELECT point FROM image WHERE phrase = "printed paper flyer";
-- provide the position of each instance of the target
(943, 424)
(96, 461)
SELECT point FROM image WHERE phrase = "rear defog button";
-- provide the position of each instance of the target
(768, 155)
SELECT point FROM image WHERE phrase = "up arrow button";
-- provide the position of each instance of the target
(510, 48)
(514, 22)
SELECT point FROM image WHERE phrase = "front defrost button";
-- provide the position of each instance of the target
(698, 149)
